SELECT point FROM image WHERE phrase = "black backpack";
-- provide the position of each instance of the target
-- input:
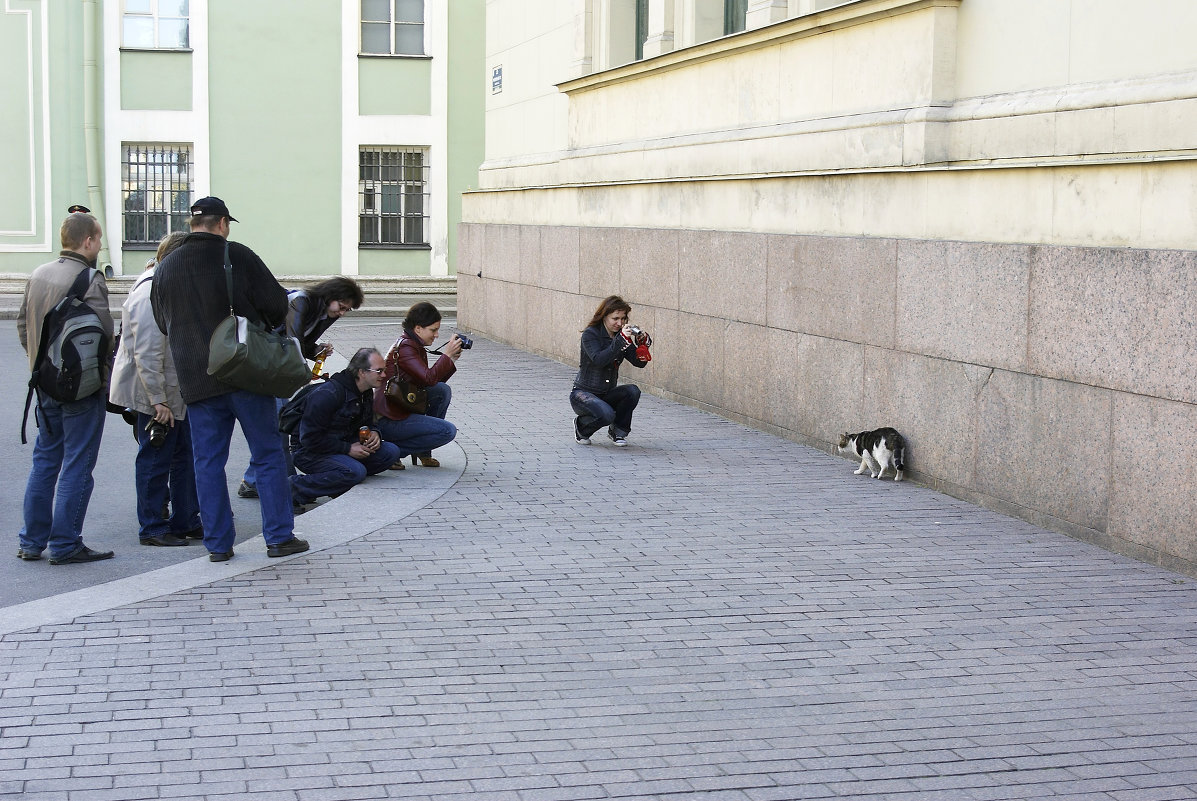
(292, 411)
(72, 352)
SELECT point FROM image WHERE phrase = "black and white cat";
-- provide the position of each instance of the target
(878, 450)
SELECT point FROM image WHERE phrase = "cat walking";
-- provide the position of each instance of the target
(877, 450)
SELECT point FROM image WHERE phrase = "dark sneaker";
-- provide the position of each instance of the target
(291, 546)
(194, 534)
(220, 556)
(82, 556)
(578, 435)
(618, 439)
(28, 556)
(247, 490)
(166, 541)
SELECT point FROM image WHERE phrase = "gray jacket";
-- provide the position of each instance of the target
(144, 371)
(47, 285)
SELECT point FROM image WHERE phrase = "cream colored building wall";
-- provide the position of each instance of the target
(533, 42)
(914, 88)
(1021, 45)
(975, 220)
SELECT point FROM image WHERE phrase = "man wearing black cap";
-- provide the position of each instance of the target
(190, 299)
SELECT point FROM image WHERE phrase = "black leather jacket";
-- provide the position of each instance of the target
(306, 312)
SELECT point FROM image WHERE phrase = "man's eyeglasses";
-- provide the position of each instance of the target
(379, 370)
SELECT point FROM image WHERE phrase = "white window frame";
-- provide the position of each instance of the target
(166, 191)
(156, 18)
(393, 27)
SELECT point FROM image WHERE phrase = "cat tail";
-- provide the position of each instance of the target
(899, 449)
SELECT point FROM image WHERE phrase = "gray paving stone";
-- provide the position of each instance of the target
(710, 613)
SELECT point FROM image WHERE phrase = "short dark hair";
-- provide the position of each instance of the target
(422, 315)
(361, 360)
(337, 287)
(205, 222)
(76, 228)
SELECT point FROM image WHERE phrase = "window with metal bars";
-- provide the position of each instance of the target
(156, 24)
(393, 27)
(392, 196)
(156, 189)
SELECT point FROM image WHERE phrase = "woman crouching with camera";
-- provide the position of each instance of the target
(607, 341)
(418, 433)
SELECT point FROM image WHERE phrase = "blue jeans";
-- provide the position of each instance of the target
(284, 440)
(420, 433)
(211, 432)
(64, 455)
(165, 472)
(334, 473)
(612, 409)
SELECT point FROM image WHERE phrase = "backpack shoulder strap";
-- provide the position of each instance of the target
(82, 282)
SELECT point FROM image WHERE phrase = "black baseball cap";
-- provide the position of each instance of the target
(78, 209)
(211, 205)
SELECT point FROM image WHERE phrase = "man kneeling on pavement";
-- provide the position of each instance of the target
(338, 444)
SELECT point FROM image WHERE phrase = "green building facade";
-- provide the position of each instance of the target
(341, 133)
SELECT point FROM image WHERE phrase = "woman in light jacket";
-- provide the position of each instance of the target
(144, 380)
(418, 434)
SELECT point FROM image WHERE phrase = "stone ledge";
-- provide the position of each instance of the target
(14, 283)
(386, 295)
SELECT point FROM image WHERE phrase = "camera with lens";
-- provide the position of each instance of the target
(466, 342)
(642, 341)
(158, 432)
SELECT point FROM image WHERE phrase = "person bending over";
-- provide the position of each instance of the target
(310, 312)
(338, 445)
(597, 397)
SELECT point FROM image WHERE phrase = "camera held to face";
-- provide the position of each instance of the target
(642, 341)
(466, 342)
(158, 432)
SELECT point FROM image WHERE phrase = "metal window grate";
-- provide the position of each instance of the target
(156, 187)
(392, 196)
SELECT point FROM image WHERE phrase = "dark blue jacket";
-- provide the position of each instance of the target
(333, 415)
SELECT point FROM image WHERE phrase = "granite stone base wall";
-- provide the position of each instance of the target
(1057, 384)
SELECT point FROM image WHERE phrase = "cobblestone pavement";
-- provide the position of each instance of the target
(710, 613)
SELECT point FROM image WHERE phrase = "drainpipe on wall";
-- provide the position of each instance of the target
(91, 126)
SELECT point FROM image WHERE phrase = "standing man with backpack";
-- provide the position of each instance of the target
(69, 429)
